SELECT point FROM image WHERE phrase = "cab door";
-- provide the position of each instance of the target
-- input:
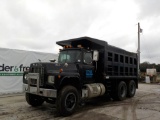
(88, 68)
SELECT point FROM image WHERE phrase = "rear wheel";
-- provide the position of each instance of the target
(121, 92)
(131, 89)
(34, 100)
(67, 100)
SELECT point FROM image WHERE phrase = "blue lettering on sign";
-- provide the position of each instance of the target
(89, 73)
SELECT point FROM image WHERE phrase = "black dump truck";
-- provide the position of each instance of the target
(86, 68)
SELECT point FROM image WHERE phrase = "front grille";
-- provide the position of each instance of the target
(40, 70)
(33, 82)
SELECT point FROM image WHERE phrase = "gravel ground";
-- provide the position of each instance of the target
(144, 105)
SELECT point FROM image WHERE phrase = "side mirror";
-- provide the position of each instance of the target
(95, 55)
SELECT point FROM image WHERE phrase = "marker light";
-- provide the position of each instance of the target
(79, 46)
(61, 70)
(59, 76)
(65, 46)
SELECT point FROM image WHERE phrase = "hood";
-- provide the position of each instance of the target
(50, 67)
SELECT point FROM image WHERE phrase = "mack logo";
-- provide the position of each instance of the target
(6, 70)
(89, 73)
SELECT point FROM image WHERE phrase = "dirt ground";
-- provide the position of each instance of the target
(145, 105)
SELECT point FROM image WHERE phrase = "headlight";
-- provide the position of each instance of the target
(51, 79)
(25, 76)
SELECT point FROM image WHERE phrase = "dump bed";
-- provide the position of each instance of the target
(120, 63)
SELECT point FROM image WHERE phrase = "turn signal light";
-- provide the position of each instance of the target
(59, 76)
(79, 46)
(61, 70)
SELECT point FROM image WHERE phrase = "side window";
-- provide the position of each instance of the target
(88, 57)
(78, 57)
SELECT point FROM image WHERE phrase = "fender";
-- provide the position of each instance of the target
(67, 79)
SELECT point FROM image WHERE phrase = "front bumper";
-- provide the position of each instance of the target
(37, 90)
(40, 91)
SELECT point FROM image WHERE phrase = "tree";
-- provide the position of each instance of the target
(145, 65)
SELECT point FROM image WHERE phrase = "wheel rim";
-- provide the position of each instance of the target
(70, 101)
(123, 91)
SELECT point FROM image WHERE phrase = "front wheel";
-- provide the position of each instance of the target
(67, 100)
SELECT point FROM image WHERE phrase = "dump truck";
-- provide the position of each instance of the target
(86, 68)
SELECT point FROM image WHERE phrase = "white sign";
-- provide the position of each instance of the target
(12, 65)
(151, 71)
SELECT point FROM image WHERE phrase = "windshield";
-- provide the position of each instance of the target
(69, 56)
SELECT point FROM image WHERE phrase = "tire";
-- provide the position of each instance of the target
(67, 100)
(121, 92)
(131, 89)
(34, 100)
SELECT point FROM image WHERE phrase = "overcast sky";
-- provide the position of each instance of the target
(37, 24)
